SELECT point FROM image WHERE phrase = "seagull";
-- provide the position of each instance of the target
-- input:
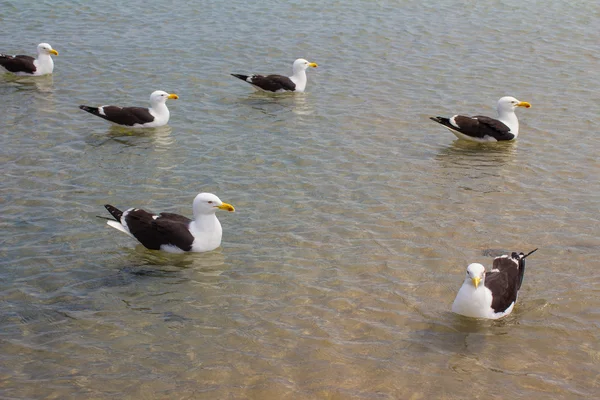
(137, 117)
(492, 294)
(280, 83)
(485, 129)
(29, 66)
(174, 233)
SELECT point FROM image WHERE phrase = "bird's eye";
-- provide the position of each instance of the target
(210, 202)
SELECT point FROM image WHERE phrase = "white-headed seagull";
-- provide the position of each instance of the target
(137, 117)
(29, 66)
(280, 83)
(174, 233)
(485, 129)
(492, 294)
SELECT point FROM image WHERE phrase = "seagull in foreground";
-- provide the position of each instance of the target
(485, 129)
(174, 233)
(492, 294)
(29, 66)
(137, 117)
(280, 83)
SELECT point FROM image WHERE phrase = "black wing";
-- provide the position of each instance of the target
(128, 116)
(18, 63)
(504, 282)
(277, 82)
(114, 211)
(174, 217)
(478, 126)
(166, 229)
(521, 257)
(490, 127)
(270, 83)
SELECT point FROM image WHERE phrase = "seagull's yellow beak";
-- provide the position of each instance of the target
(476, 281)
(226, 207)
(314, 65)
(524, 104)
(53, 52)
(173, 96)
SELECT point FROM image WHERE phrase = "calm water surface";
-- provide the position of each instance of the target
(356, 215)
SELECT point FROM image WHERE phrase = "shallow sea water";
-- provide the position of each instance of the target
(356, 215)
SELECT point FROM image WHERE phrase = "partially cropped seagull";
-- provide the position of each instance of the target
(280, 83)
(485, 129)
(492, 294)
(29, 66)
(137, 117)
(174, 233)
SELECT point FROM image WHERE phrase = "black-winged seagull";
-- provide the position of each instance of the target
(29, 66)
(280, 83)
(137, 117)
(485, 129)
(492, 294)
(174, 233)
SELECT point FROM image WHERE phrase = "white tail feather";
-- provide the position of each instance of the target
(118, 226)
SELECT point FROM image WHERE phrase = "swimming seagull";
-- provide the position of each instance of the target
(280, 83)
(485, 129)
(29, 66)
(137, 117)
(174, 233)
(492, 294)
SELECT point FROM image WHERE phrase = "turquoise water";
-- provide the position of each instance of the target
(355, 214)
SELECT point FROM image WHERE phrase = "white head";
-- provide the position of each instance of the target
(45, 48)
(508, 104)
(208, 203)
(158, 97)
(475, 274)
(301, 65)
